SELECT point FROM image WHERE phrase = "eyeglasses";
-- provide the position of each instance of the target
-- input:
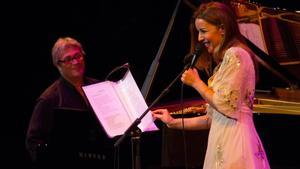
(70, 59)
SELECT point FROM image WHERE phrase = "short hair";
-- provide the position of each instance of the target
(61, 45)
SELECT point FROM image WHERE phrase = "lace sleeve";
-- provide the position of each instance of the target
(231, 81)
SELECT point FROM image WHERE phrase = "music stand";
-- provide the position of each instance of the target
(77, 139)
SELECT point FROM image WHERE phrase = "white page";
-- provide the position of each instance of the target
(136, 102)
(108, 108)
(118, 104)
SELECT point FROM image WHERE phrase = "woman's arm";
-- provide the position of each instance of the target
(194, 123)
(191, 78)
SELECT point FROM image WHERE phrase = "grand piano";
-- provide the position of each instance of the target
(273, 34)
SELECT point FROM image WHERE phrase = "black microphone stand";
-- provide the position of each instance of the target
(135, 132)
(133, 129)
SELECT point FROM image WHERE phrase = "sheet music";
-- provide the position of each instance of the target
(118, 104)
(136, 102)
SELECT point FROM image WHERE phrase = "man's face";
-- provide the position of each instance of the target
(71, 65)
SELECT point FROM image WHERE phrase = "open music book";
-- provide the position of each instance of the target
(118, 104)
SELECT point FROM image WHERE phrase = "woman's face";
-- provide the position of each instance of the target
(208, 34)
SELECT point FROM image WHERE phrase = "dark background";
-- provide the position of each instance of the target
(111, 32)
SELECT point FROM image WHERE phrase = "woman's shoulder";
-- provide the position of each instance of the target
(237, 53)
(237, 50)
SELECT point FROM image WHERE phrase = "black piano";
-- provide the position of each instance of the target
(273, 34)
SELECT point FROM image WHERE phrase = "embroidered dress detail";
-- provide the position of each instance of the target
(219, 157)
(233, 138)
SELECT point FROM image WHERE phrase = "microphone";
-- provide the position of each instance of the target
(126, 66)
(191, 59)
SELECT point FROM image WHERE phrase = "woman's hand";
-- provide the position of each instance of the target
(163, 115)
(190, 77)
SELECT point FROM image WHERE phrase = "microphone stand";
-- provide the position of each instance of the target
(135, 132)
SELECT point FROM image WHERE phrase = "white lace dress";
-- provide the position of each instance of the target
(233, 141)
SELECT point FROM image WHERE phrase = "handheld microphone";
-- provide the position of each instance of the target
(126, 66)
(191, 59)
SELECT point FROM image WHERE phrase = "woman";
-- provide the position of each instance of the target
(233, 141)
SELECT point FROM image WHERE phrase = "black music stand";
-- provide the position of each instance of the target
(134, 131)
(77, 139)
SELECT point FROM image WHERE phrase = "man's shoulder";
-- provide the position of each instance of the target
(91, 80)
(51, 91)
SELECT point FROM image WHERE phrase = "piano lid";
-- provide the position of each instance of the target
(274, 37)
(270, 32)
